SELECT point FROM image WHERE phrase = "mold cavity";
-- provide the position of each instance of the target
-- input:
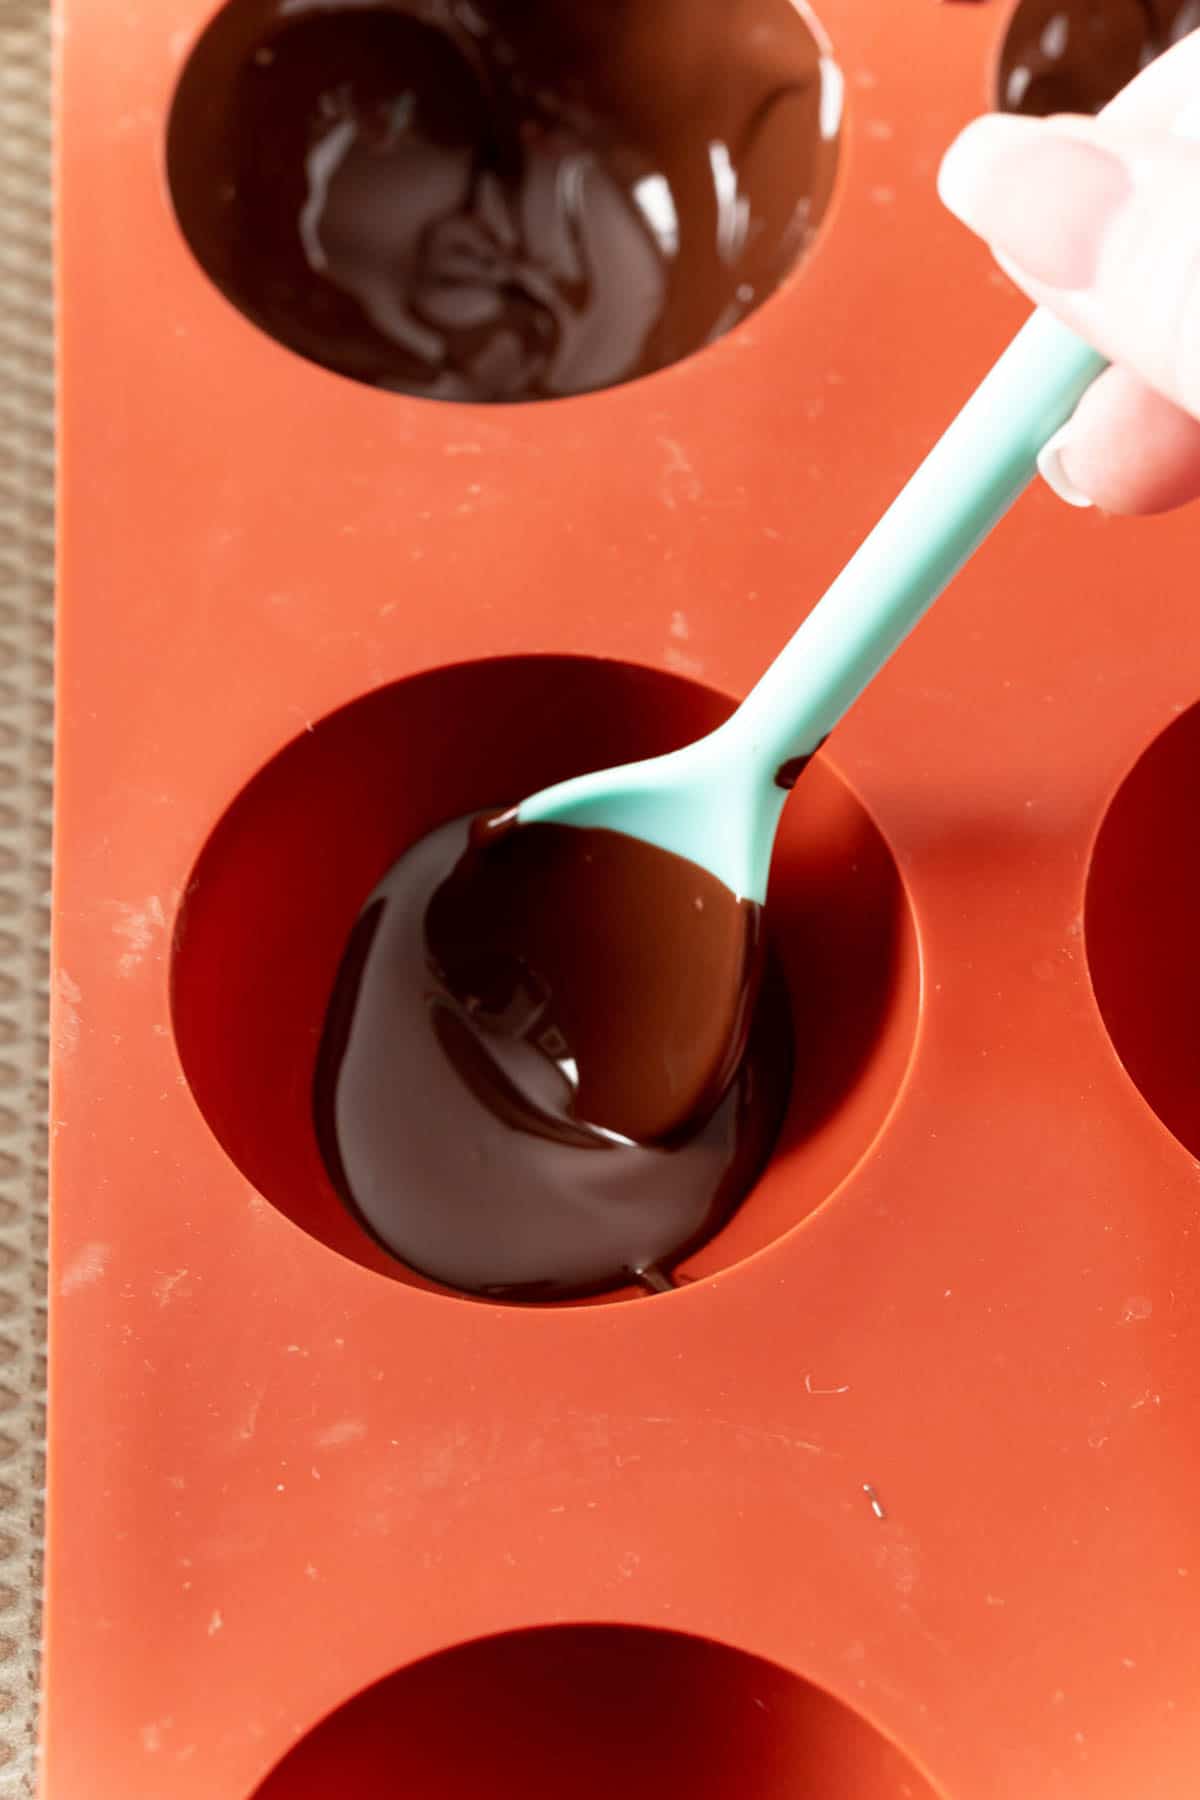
(1143, 902)
(593, 1711)
(276, 893)
(502, 200)
(1074, 55)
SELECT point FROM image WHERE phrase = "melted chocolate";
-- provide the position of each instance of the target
(788, 773)
(501, 199)
(516, 1015)
(1074, 55)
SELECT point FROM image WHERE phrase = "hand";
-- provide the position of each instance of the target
(1099, 221)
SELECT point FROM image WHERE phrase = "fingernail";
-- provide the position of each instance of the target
(1041, 198)
(1052, 470)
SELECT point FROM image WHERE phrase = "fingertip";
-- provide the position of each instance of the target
(1127, 450)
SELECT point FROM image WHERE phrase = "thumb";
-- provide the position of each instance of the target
(1100, 224)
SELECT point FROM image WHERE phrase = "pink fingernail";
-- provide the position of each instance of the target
(1041, 198)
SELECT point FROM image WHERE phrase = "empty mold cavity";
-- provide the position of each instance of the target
(279, 885)
(502, 200)
(1143, 902)
(593, 1711)
(1072, 56)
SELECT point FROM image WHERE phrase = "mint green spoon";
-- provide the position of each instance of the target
(717, 802)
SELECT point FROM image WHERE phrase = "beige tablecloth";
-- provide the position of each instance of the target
(26, 645)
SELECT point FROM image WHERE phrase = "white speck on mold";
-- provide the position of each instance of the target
(67, 998)
(879, 129)
(883, 196)
(678, 659)
(165, 1286)
(138, 926)
(312, 1571)
(679, 625)
(810, 1389)
(345, 1431)
(85, 1267)
(679, 478)
(152, 1735)
(249, 1424)
(627, 1567)
(215, 1623)
(1137, 1307)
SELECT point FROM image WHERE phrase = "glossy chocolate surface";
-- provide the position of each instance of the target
(505, 201)
(514, 1019)
(1074, 55)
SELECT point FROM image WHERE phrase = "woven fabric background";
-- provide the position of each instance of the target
(26, 645)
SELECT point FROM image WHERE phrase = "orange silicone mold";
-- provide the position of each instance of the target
(895, 1496)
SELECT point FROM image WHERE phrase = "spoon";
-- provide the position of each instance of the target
(718, 801)
(647, 964)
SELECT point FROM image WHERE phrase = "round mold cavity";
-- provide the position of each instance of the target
(592, 1711)
(277, 888)
(1073, 56)
(480, 200)
(1140, 926)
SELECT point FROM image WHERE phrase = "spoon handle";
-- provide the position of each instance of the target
(965, 485)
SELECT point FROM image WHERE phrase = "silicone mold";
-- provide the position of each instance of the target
(895, 1496)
